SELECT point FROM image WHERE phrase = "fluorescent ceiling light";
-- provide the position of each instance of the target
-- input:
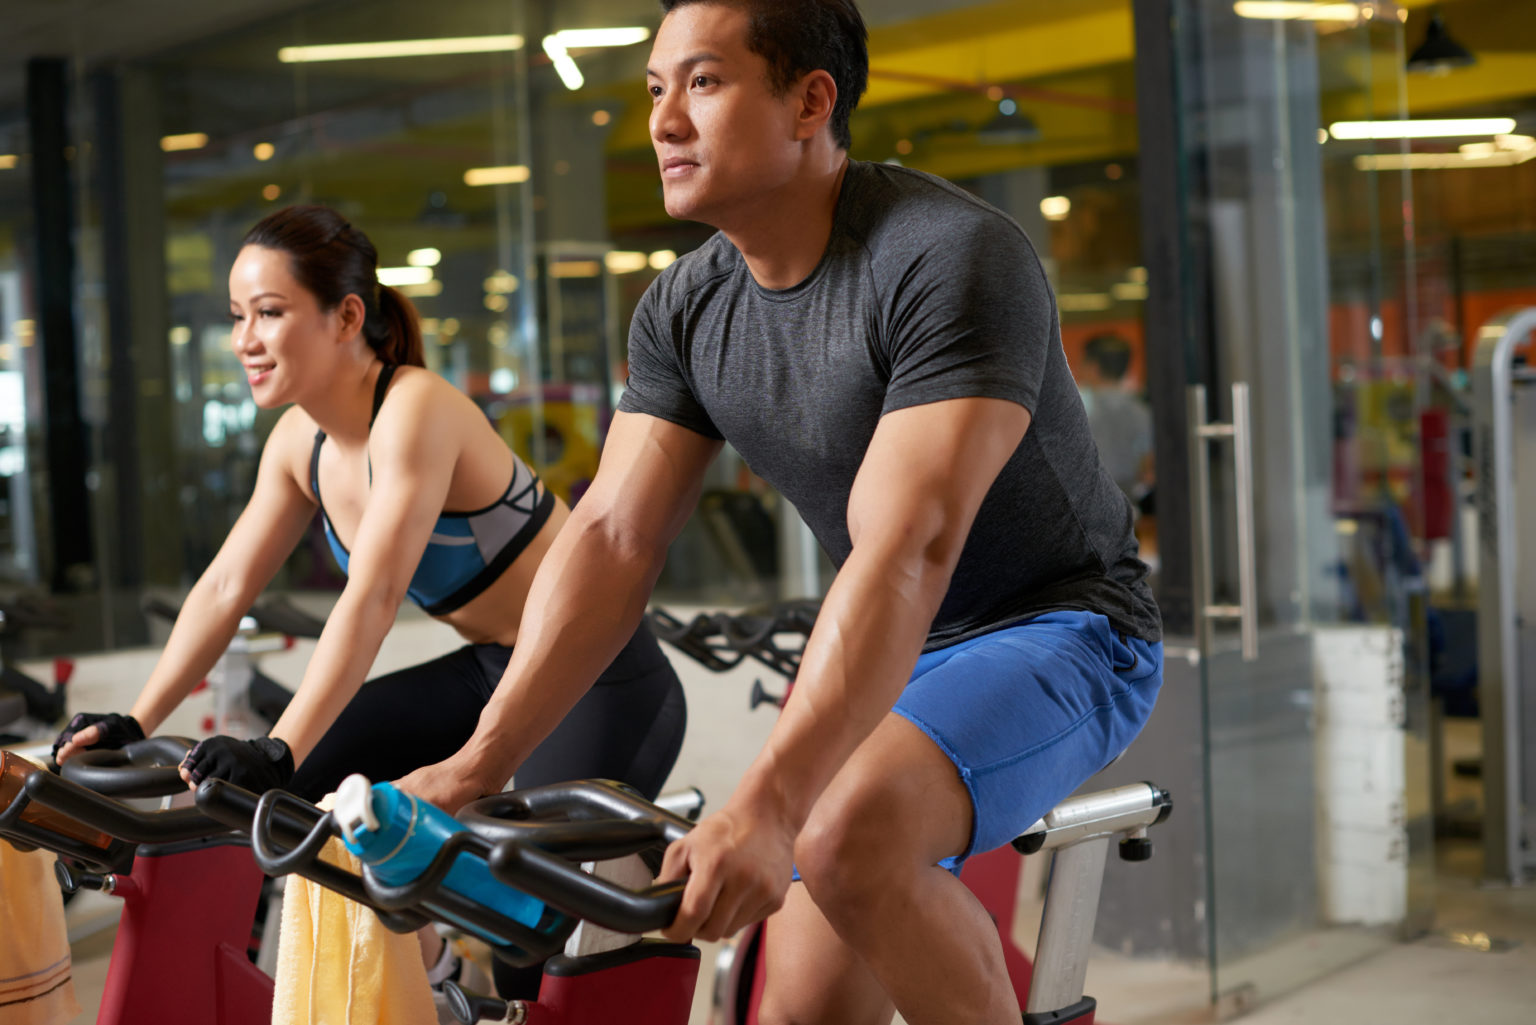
(511, 174)
(1055, 208)
(428, 257)
(425, 290)
(397, 276)
(189, 140)
(1504, 151)
(1128, 291)
(1297, 10)
(580, 38)
(661, 259)
(576, 269)
(501, 283)
(8, 161)
(1429, 128)
(622, 262)
(565, 67)
(1082, 302)
(398, 48)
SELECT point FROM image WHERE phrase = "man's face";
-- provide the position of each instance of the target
(722, 139)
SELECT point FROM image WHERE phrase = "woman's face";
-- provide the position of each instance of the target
(281, 336)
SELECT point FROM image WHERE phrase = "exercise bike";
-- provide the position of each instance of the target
(30, 708)
(775, 637)
(188, 884)
(588, 850)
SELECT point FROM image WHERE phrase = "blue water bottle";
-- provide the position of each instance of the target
(398, 835)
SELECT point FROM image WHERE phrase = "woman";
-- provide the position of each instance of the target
(421, 498)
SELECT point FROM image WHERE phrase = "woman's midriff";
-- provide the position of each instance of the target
(493, 616)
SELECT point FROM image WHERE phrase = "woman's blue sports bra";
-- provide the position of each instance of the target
(467, 551)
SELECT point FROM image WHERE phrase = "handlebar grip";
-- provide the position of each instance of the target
(282, 616)
(153, 606)
(144, 768)
(566, 888)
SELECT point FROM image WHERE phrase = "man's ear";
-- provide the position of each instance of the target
(351, 313)
(818, 95)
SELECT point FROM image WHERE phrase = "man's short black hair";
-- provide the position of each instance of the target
(1110, 353)
(798, 36)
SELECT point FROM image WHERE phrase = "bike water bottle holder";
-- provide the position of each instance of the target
(288, 835)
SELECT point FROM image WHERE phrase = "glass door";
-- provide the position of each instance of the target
(1300, 441)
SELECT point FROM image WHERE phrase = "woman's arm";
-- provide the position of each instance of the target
(413, 451)
(268, 529)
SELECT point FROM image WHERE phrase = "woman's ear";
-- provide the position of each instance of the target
(351, 313)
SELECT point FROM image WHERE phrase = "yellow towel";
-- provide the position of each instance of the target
(36, 986)
(338, 965)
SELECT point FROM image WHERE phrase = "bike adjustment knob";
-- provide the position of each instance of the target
(72, 879)
(469, 1007)
(1135, 848)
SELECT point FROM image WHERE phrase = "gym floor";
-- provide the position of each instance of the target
(1438, 978)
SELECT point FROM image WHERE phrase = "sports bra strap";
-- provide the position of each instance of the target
(379, 388)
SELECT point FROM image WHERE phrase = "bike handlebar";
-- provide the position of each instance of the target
(272, 615)
(527, 838)
(143, 768)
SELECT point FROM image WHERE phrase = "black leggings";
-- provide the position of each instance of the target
(627, 727)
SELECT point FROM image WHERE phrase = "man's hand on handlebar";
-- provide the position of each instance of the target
(448, 784)
(257, 765)
(91, 729)
(738, 864)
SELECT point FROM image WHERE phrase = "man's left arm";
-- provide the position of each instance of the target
(922, 480)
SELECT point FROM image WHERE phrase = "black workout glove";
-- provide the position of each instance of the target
(256, 765)
(116, 730)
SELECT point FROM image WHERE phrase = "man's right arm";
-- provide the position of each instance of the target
(585, 601)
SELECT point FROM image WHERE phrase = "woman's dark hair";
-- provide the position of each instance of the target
(798, 36)
(332, 260)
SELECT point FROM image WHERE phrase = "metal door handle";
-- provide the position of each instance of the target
(1201, 432)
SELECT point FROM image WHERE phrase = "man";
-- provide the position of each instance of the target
(883, 348)
(1120, 422)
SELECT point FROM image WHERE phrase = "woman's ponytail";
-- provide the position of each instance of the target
(400, 341)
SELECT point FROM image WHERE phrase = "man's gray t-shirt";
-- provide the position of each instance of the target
(924, 293)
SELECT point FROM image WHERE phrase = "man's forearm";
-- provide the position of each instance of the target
(867, 638)
(584, 604)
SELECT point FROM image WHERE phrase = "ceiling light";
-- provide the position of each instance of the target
(1009, 126)
(576, 269)
(428, 257)
(1082, 302)
(501, 283)
(1296, 10)
(188, 140)
(565, 67)
(661, 259)
(1055, 208)
(581, 38)
(8, 161)
(263, 150)
(423, 290)
(621, 262)
(1438, 53)
(1480, 155)
(1424, 129)
(1128, 291)
(397, 276)
(271, 192)
(511, 174)
(398, 48)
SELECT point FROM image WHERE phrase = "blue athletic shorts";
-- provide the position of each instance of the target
(1029, 712)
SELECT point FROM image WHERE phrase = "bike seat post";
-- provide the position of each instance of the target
(1066, 927)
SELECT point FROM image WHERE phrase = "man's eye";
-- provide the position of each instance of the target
(700, 80)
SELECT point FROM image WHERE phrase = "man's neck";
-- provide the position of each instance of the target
(785, 236)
